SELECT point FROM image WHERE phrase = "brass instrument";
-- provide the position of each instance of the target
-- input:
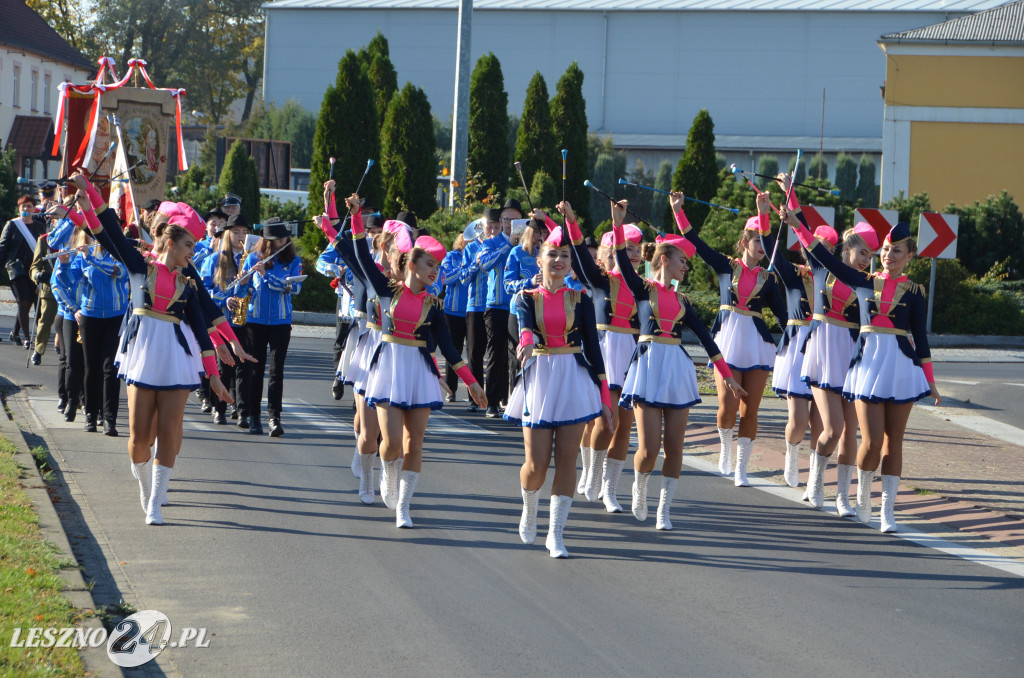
(240, 314)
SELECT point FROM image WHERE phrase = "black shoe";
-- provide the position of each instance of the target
(243, 422)
(276, 430)
(69, 415)
(15, 337)
(492, 412)
(219, 417)
(28, 344)
(109, 429)
(36, 358)
(90, 424)
(472, 407)
(255, 427)
(62, 404)
(338, 389)
(234, 413)
(205, 406)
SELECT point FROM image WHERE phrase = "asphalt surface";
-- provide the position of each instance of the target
(267, 546)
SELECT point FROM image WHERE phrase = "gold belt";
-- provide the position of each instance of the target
(360, 314)
(835, 321)
(150, 313)
(798, 323)
(741, 311)
(613, 328)
(670, 340)
(392, 339)
(884, 330)
(373, 325)
(557, 350)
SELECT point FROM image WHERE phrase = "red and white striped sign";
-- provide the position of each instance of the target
(816, 216)
(881, 220)
(936, 235)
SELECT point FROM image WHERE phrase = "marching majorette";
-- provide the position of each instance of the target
(740, 331)
(798, 284)
(561, 387)
(604, 454)
(661, 381)
(892, 368)
(404, 383)
(456, 298)
(165, 345)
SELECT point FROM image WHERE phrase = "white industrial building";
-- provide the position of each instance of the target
(759, 67)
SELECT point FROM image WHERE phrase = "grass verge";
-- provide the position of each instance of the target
(31, 592)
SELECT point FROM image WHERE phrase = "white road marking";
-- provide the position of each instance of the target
(957, 381)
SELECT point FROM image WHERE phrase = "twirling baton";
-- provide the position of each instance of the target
(636, 216)
(359, 187)
(522, 181)
(740, 173)
(789, 193)
(565, 152)
(819, 189)
(332, 161)
(623, 182)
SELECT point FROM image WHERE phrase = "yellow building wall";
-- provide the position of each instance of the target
(963, 162)
(962, 81)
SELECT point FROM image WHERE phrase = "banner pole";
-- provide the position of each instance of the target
(931, 299)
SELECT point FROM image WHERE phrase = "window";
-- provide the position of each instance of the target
(34, 94)
(16, 101)
(47, 94)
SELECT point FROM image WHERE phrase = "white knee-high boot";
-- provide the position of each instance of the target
(528, 521)
(612, 473)
(640, 495)
(890, 486)
(864, 479)
(595, 474)
(365, 475)
(560, 506)
(743, 448)
(144, 475)
(586, 454)
(816, 480)
(668, 493)
(725, 453)
(161, 474)
(792, 472)
(406, 488)
(163, 493)
(389, 482)
(844, 472)
(357, 470)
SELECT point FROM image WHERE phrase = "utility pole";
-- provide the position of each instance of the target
(460, 116)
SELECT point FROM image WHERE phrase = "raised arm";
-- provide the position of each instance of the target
(371, 274)
(583, 262)
(716, 260)
(633, 280)
(105, 228)
(847, 274)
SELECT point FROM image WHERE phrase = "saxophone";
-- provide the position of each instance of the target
(240, 315)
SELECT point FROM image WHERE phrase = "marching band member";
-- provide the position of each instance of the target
(456, 299)
(661, 381)
(892, 368)
(160, 357)
(269, 319)
(604, 454)
(739, 330)
(798, 285)
(404, 385)
(562, 385)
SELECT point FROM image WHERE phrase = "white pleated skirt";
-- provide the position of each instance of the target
(786, 377)
(359, 368)
(662, 376)
(155, 359)
(884, 374)
(742, 346)
(827, 357)
(351, 343)
(617, 350)
(555, 390)
(401, 378)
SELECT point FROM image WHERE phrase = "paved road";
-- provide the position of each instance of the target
(267, 545)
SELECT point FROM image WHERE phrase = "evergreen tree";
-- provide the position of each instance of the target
(605, 179)
(818, 168)
(846, 176)
(801, 172)
(543, 191)
(569, 121)
(768, 165)
(697, 171)
(660, 216)
(346, 129)
(239, 177)
(291, 123)
(407, 155)
(376, 56)
(488, 126)
(867, 189)
(535, 141)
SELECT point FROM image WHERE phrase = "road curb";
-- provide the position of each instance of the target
(76, 589)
